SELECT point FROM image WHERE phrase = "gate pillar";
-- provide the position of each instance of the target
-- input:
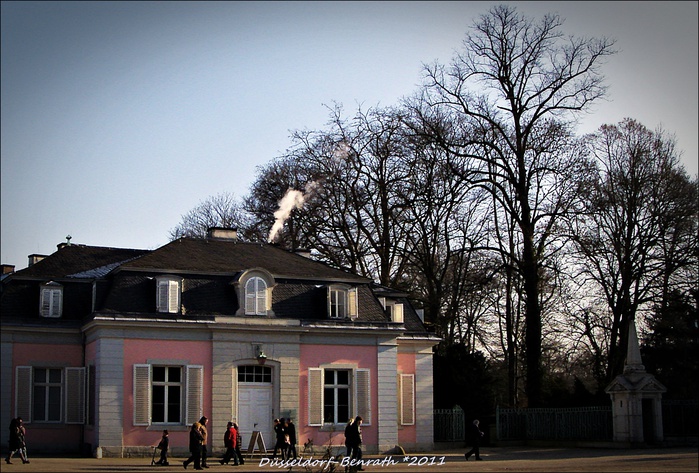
(636, 399)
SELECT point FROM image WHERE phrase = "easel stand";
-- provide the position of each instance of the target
(256, 441)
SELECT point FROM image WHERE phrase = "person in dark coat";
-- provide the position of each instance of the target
(476, 436)
(280, 434)
(348, 438)
(195, 442)
(164, 446)
(356, 440)
(16, 441)
(291, 430)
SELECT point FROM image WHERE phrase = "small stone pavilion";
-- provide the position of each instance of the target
(636, 400)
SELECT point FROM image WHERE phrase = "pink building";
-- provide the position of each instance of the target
(103, 348)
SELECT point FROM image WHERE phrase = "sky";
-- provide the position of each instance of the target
(120, 117)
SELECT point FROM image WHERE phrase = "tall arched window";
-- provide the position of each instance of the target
(256, 296)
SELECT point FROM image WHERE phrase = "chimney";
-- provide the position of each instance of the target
(8, 268)
(34, 258)
(220, 233)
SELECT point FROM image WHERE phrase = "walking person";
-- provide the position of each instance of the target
(195, 439)
(17, 442)
(348, 437)
(164, 446)
(280, 435)
(476, 436)
(230, 437)
(291, 430)
(204, 434)
(238, 444)
(356, 440)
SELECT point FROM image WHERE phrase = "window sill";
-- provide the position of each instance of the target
(332, 428)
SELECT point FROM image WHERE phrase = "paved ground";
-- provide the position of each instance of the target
(506, 459)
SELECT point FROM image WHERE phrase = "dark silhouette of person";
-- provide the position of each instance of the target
(291, 430)
(476, 436)
(17, 441)
(356, 440)
(195, 440)
(164, 446)
(280, 434)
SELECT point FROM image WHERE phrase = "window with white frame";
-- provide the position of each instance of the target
(255, 374)
(342, 302)
(48, 383)
(338, 394)
(50, 394)
(168, 294)
(167, 394)
(393, 309)
(256, 296)
(51, 300)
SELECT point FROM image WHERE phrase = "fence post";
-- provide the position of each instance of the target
(497, 422)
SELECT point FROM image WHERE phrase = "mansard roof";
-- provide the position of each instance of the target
(78, 261)
(218, 256)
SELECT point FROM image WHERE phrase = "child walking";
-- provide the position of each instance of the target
(164, 446)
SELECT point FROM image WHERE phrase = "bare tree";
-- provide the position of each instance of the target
(350, 180)
(528, 77)
(639, 230)
(274, 180)
(221, 210)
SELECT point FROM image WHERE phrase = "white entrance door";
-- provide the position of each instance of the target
(255, 412)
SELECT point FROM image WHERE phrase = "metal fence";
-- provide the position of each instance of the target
(576, 423)
(680, 418)
(449, 425)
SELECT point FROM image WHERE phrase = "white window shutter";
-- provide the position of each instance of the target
(261, 295)
(195, 395)
(352, 302)
(45, 303)
(250, 296)
(173, 297)
(56, 300)
(362, 394)
(23, 393)
(51, 300)
(330, 301)
(407, 399)
(398, 313)
(141, 394)
(162, 296)
(315, 396)
(75, 395)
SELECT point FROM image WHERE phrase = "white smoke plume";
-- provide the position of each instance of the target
(293, 199)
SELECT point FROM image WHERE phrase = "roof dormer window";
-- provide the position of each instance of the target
(51, 300)
(254, 288)
(256, 296)
(168, 294)
(393, 309)
(342, 302)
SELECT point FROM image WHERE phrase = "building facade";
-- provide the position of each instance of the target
(103, 348)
